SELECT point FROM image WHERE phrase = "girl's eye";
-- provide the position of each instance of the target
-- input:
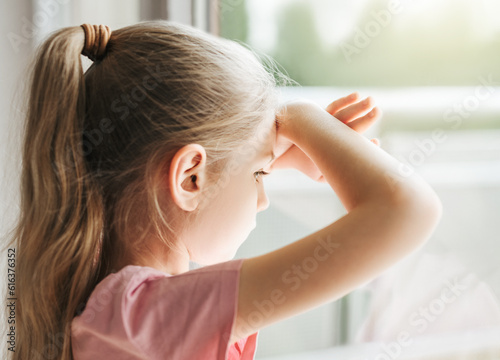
(260, 172)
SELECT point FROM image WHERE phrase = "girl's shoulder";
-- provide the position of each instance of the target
(140, 307)
(128, 278)
(131, 277)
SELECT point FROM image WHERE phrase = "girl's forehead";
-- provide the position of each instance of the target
(268, 126)
(269, 143)
(267, 133)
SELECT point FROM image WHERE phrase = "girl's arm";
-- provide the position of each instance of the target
(389, 216)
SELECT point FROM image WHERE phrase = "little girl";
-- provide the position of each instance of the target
(153, 158)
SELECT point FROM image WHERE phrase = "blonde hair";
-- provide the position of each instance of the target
(96, 146)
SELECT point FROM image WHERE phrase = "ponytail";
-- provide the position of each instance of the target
(59, 233)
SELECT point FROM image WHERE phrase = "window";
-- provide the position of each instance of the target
(432, 67)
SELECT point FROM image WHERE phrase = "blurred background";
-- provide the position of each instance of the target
(432, 66)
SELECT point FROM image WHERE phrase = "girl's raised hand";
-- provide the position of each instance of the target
(350, 111)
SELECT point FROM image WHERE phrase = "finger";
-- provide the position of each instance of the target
(361, 124)
(341, 103)
(375, 141)
(354, 111)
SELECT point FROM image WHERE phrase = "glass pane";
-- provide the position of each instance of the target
(372, 42)
(432, 68)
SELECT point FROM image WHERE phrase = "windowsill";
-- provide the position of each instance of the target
(416, 108)
(474, 345)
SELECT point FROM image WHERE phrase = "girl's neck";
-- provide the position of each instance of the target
(158, 257)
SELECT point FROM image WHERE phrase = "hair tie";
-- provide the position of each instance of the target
(96, 39)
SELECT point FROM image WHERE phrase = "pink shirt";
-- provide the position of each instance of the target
(143, 313)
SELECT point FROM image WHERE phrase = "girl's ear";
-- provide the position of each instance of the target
(186, 177)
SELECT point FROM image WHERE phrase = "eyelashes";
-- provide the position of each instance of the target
(260, 173)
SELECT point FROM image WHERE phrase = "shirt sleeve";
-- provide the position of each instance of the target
(185, 316)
